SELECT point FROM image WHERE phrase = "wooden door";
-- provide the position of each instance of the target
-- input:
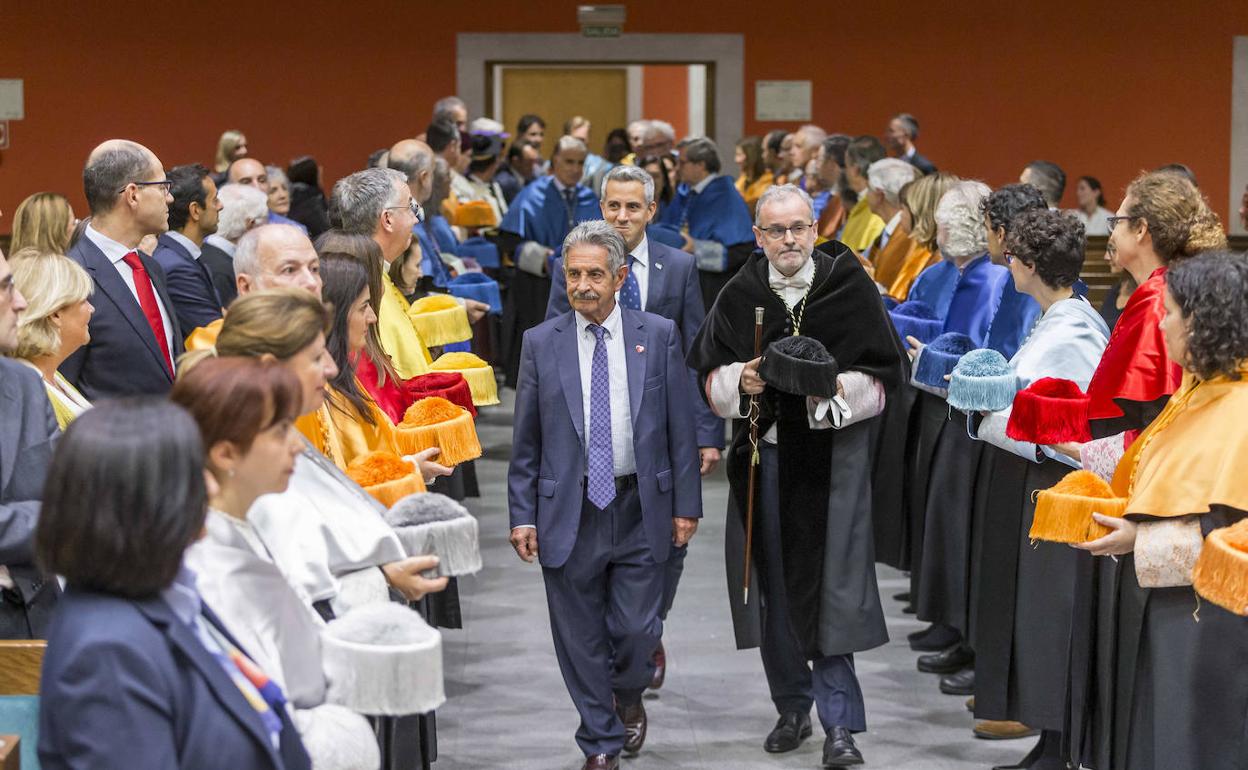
(558, 93)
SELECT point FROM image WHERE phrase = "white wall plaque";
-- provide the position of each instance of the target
(782, 100)
(11, 102)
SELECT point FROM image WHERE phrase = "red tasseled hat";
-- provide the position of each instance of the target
(449, 385)
(1050, 411)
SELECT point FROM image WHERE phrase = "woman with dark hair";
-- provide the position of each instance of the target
(659, 171)
(1178, 680)
(532, 129)
(245, 409)
(1023, 594)
(1091, 212)
(307, 200)
(139, 671)
(776, 146)
(755, 177)
(1163, 219)
(616, 147)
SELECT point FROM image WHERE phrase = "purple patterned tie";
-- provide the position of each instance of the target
(601, 489)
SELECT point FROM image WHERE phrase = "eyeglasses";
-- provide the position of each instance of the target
(411, 206)
(165, 183)
(1113, 221)
(777, 232)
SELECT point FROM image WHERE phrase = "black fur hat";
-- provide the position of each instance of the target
(800, 365)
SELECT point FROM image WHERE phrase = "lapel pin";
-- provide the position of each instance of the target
(659, 265)
(641, 348)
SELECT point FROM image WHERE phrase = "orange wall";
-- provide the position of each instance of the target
(665, 95)
(1101, 88)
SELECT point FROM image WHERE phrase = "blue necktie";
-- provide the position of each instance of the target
(601, 466)
(630, 292)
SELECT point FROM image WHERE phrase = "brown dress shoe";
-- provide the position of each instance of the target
(660, 668)
(634, 719)
(601, 762)
(991, 730)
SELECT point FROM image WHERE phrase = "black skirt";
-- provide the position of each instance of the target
(1024, 592)
(523, 308)
(888, 481)
(927, 420)
(944, 587)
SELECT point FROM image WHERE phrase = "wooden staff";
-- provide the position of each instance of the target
(753, 471)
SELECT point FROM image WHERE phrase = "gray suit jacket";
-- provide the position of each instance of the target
(28, 434)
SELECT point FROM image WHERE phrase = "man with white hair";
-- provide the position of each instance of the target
(533, 230)
(243, 207)
(658, 138)
(806, 142)
(887, 253)
(832, 359)
(452, 108)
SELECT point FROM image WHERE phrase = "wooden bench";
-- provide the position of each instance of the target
(20, 665)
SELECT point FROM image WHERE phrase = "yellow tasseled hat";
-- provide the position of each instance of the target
(472, 214)
(479, 375)
(434, 421)
(440, 320)
(386, 476)
(1064, 511)
(1221, 572)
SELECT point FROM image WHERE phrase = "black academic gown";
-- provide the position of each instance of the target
(825, 495)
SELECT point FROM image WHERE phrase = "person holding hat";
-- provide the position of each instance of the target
(1022, 595)
(1178, 679)
(818, 608)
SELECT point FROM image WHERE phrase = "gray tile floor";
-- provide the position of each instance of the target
(507, 706)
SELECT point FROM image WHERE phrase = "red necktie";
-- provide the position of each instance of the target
(147, 300)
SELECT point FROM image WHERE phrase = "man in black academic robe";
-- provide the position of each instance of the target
(812, 553)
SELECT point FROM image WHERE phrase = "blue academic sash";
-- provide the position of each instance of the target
(540, 214)
(718, 213)
(442, 234)
(975, 299)
(934, 286)
(431, 263)
(1015, 317)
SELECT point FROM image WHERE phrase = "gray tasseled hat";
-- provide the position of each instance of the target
(799, 365)
(383, 659)
(431, 523)
(982, 381)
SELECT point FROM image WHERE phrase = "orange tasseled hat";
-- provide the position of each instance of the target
(1221, 572)
(1064, 511)
(386, 476)
(436, 422)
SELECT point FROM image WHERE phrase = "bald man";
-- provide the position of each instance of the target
(251, 172)
(135, 336)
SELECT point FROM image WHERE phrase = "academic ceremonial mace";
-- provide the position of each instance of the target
(753, 471)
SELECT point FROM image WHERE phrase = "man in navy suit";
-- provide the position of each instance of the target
(135, 336)
(664, 281)
(192, 217)
(604, 475)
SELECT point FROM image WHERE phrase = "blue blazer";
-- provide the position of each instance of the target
(122, 358)
(128, 685)
(194, 297)
(546, 478)
(672, 291)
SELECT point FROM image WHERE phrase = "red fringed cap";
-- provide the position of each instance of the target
(1050, 411)
(449, 385)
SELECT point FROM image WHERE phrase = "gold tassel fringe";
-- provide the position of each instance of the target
(390, 492)
(1221, 572)
(441, 327)
(456, 438)
(1064, 512)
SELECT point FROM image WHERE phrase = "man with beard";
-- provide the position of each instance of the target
(812, 542)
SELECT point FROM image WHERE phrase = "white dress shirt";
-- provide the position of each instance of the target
(889, 228)
(700, 186)
(115, 252)
(621, 415)
(640, 268)
(186, 243)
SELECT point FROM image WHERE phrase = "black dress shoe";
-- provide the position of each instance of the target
(601, 762)
(961, 683)
(791, 729)
(660, 668)
(904, 597)
(933, 638)
(839, 749)
(948, 661)
(634, 719)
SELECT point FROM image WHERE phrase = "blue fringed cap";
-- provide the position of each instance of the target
(982, 382)
(481, 250)
(478, 286)
(939, 357)
(913, 318)
(890, 303)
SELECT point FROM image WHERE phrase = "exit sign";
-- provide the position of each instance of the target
(601, 30)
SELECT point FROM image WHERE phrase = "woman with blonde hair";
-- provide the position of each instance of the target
(54, 324)
(230, 147)
(44, 221)
(918, 210)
